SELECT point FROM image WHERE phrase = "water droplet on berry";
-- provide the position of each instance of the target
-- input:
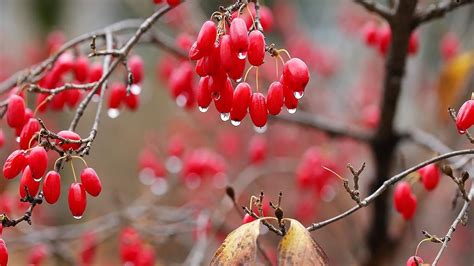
(203, 109)
(461, 131)
(95, 98)
(135, 89)
(298, 94)
(159, 186)
(173, 164)
(239, 80)
(181, 100)
(113, 112)
(17, 139)
(292, 111)
(146, 176)
(77, 217)
(37, 179)
(216, 96)
(235, 123)
(225, 116)
(242, 55)
(260, 129)
(193, 181)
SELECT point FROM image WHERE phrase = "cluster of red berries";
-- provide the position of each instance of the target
(221, 52)
(32, 164)
(405, 200)
(132, 249)
(465, 116)
(3, 249)
(379, 37)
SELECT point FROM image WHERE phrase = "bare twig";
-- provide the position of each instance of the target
(377, 8)
(438, 10)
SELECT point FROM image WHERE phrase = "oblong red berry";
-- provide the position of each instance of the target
(72, 98)
(77, 200)
(14, 164)
(430, 176)
(291, 102)
(28, 181)
(296, 74)
(410, 208)
(52, 187)
(28, 132)
(3, 253)
(81, 68)
(275, 98)
(132, 101)
(38, 161)
(258, 110)
(95, 72)
(227, 54)
(91, 182)
(256, 49)
(15, 111)
(241, 101)
(414, 261)
(135, 63)
(204, 97)
(465, 116)
(239, 35)
(401, 193)
(118, 92)
(224, 101)
(70, 136)
(194, 53)
(207, 36)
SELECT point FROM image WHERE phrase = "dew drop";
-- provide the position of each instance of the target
(181, 100)
(77, 217)
(193, 181)
(242, 55)
(173, 164)
(292, 110)
(328, 193)
(159, 186)
(298, 94)
(17, 139)
(135, 89)
(235, 123)
(225, 116)
(113, 112)
(239, 80)
(203, 109)
(37, 179)
(260, 129)
(216, 96)
(146, 176)
(461, 131)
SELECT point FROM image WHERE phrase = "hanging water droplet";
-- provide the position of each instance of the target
(260, 129)
(242, 55)
(37, 179)
(216, 96)
(146, 176)
(113, 112)
(298, 94)
(203, 109)
(135, 89)
(193, 181)
(17, 139)
(239, 80)
(181, 100)
(235, 123)
(159, 186)
(461, 131)
(77, 217)
(96, 98)
(173, 164)
(225, 116)
(292, 110)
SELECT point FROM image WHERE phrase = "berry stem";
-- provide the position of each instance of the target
(246, 73)
(47, 99)
(82, 159)
(73, 171)
(256, 78)
(419, 244)
(284, 51)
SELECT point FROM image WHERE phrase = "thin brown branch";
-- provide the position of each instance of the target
(377, 8)
(393, 180)
(68, 86)
(438, 10)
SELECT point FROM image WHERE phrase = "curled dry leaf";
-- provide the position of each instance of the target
(239, 247)
(297, 247)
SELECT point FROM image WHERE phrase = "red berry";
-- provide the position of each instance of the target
(465, 116)
(239, 35)
(77, 200)
(38, 162)
(135, 63)
(95, 72)
(414, 261)
(88, 247)
(296, 75)
(385, 37)
(146, 257)
(58, 101)
(227, 55)
(449, 46)
(402, 191)
(194, 53)
(70, 136)
(91, 182)
(275, 98)
(291, 102)
(81, 68)
(28, 132)
(258, 110)
(65, 63)
(410, 208)
(173, 2)
(240, 102)
(132, 101)
(37, 255)
(52, 187)
(224, 102)
(14, 164)
(413, 43)
(256, 49)
(72, 98)
(247, 219)
(207, 36)
(2, 138)
(258, 149)
(204, 97)
(3, 253)
(130, 245)
(429, 176)
(118, 93)
(369, 32)
(16, 111)
(28, 181)
(266, 18)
